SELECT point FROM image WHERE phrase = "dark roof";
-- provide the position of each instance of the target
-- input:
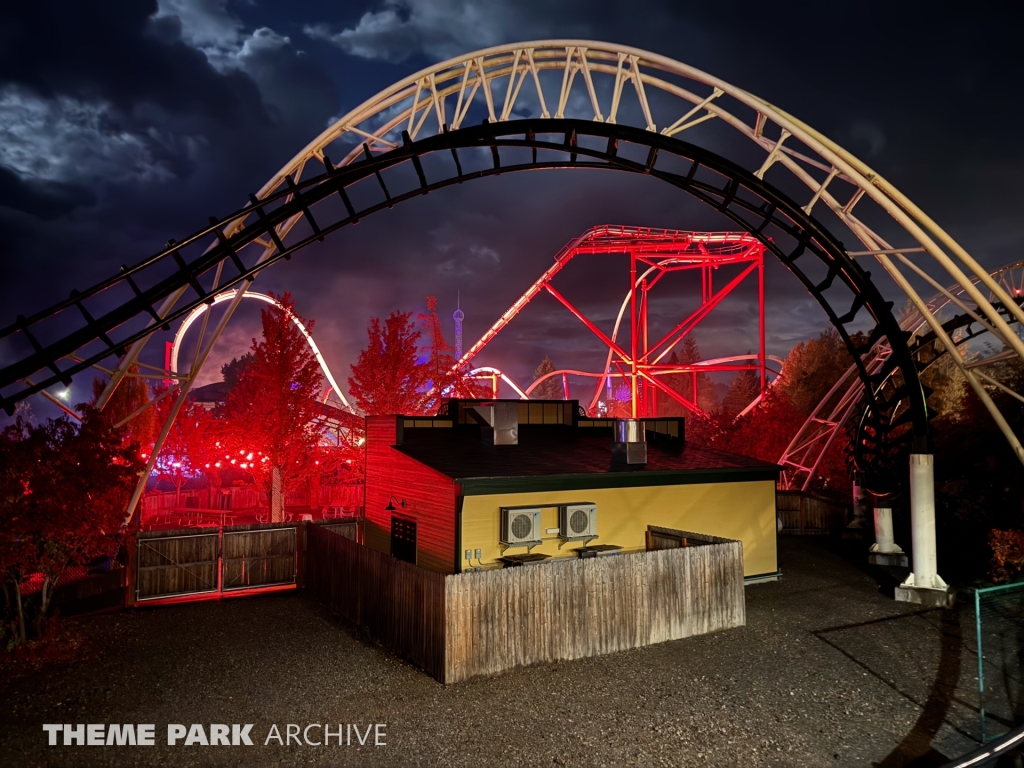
(561, 457)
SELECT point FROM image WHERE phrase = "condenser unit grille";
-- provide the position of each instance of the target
(579, 522)
(522, 526)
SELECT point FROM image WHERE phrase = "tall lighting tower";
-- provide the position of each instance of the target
(458, 316)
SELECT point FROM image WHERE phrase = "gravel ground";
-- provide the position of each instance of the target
(828, 672)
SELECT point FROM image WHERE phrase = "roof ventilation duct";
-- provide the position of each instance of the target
(629, 442)
(499, 422)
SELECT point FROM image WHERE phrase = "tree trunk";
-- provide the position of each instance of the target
(21, 610)
(276, 495)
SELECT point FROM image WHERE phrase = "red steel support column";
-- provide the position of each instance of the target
(760, 303)
(648, 390)
(632, 331)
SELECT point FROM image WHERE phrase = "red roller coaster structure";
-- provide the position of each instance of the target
(653, 253)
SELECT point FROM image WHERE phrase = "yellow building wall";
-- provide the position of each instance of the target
(743, 511)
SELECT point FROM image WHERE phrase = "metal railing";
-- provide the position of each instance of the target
(999, 624)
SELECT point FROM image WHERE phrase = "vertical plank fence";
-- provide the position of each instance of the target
(571, 609)
(398, 604)
(460, 626)
(807, 514)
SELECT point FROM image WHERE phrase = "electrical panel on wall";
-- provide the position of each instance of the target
(577, 521)
(520, 527)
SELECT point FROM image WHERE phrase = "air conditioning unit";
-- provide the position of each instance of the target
(577, 521)
(520, 527)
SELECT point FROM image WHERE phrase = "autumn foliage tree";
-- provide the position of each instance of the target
(126, 409)
(190, 444)
(809, 372)
(392, 376)
(64, 489)
(270, 411)
(386, 377)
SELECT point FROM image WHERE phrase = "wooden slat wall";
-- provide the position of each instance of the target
(811, 515)
(570, 609)
(398, 604)
(429, 495)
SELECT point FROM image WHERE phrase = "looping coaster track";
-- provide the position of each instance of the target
(800, 194)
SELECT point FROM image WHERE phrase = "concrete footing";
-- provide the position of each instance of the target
(929, 598)
(889, 559)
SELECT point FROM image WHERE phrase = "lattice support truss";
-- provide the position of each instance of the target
(641, 361)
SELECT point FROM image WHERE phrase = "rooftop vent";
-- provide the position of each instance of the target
(629, 442)
(499, 422)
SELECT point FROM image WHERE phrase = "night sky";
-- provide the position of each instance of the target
(124, 123)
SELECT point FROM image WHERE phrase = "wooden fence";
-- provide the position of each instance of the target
(571, 609)
(400, 605)
(807, 514)
(349, 496)
(460, 626)
(208, 562)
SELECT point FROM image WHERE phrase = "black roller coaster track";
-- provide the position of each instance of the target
(753, 204)
(867, 426)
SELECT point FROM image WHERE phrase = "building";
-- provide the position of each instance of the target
(492, 483)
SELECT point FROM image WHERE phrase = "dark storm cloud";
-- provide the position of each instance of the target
(153, 118)
(123, 124)
(40, 198)
(115, 51)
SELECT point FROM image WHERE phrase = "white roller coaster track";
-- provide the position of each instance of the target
(542, 78)
(228, 296)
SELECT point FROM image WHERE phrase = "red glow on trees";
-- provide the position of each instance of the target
(386, 377)
(63, 491)
(273, 406)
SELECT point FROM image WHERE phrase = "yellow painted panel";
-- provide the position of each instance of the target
(743, 511)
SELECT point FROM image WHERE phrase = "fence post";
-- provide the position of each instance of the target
(300, 554)
(132, 567)
(800, 513)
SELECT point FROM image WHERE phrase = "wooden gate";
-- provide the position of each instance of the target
(207, 562)
(174, 565)
(258, 558)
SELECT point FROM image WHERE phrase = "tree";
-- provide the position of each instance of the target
(232, 372)
(386, 377)
(270, 411)
(130, 397)
(812, 367)
(190, 445)
(549, 389)
(687, 353)
(744, 388)
(63, 492)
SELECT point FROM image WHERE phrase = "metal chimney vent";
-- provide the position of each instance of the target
(499, 422)
(629, 442)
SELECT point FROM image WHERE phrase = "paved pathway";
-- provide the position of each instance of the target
(827, 672)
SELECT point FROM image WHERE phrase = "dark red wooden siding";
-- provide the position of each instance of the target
(430, 498)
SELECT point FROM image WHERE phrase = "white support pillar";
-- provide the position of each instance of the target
(885, 551)
(923, 585)
(858, 525)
